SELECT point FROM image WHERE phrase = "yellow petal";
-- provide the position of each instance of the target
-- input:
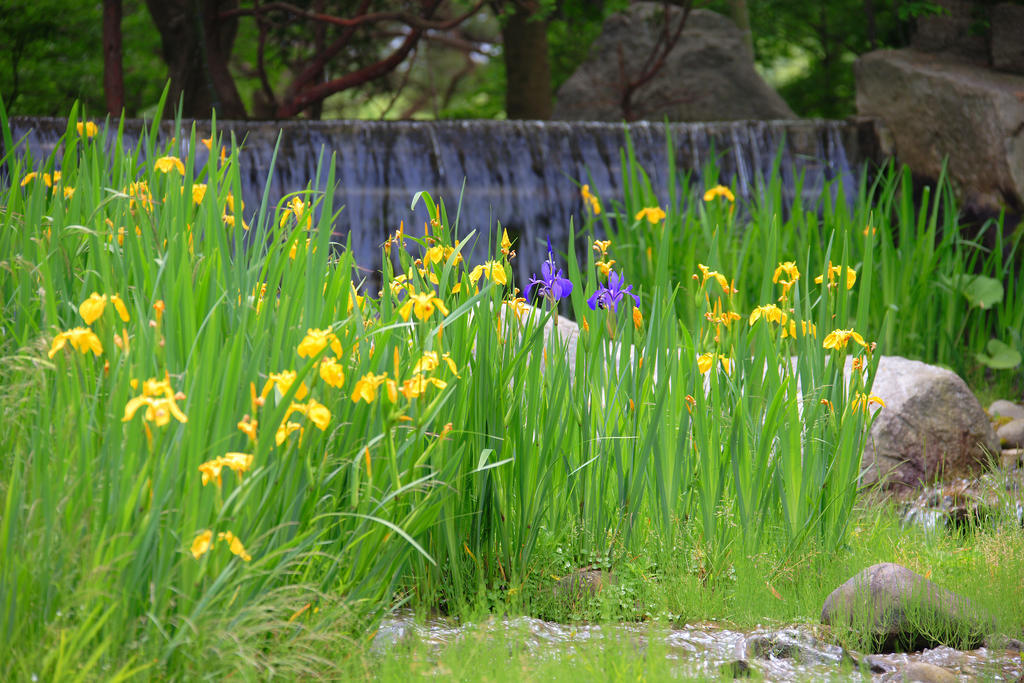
(119, 306)
(92, 308)
(201, 544)
(168, 164)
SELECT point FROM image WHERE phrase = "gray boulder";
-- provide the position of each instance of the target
(931, 426)
(707, 76)
(936, 107)
(900, 611)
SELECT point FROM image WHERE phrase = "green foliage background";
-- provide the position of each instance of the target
(53, 56)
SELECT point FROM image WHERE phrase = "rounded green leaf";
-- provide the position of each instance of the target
(1002, 356)
(981, 291)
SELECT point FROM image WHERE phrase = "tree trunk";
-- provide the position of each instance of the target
(196, 47)
(527, 70)
(113, 73)
(218, 39)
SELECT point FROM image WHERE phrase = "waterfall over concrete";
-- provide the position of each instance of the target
(523, 174)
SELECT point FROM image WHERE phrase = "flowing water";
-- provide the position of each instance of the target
(524, 174)
(706, 650)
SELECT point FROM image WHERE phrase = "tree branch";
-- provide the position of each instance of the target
(410, 20)
(303, 99)
(655, 60)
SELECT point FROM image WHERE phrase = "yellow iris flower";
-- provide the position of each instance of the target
(139, 195)
(431, 360)
(249, 426)
(316, 412)
(283, 381)
(285, 430)
(862, 402)
(653, 214)
(316, 341)
(202, 543)
(806, 327)
(838, 339)
(769, 312)
(81, 338)
(595, 205)
(416, 385)
(236, 462)
(168, 164)
(706, 360)
(332, 372)
(719, 191)
(92, 308)
(160, 401)
(234, 544)
(423, 305)
(367, 386)
(834, 273)
(506, 245)
(707, 274)
(787, 268)
(493, 270)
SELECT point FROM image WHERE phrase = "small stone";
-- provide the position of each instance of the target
(876, 665)
(922, 672)
(583, 581)
(1004, 408)
(1011, 434)
(1011, 458)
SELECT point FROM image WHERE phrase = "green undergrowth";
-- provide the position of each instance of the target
(658, 592)
(675, 586)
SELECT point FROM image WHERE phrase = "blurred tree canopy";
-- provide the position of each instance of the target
(53, 55)
(394, 58)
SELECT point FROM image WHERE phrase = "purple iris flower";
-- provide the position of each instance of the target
(609, 296)
(552, 284)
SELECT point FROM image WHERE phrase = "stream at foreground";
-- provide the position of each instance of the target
(707, 651)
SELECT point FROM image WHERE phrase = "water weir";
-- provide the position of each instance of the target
(523, 174)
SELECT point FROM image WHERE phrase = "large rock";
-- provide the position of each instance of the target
(936, 107)
(707, 76)
(900, 611)
(931, 426)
